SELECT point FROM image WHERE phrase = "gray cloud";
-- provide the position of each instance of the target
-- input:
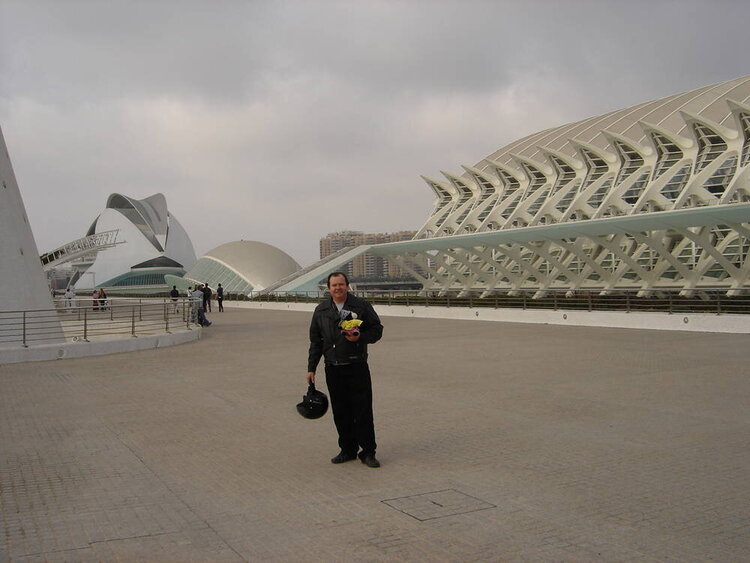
(282, 121)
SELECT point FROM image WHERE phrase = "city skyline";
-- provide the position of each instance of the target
(283, 121)
(366, 266)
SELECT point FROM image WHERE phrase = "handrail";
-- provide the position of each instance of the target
(114, 318)
(707, 300)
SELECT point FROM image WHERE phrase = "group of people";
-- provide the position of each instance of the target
(99, 299)
(200, 301)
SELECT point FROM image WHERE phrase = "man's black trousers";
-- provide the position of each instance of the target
(350, 388)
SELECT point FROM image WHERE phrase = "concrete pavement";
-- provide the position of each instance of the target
(499, 442)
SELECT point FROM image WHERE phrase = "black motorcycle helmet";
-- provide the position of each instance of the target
(314, 404)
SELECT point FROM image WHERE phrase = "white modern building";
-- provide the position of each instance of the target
(241, 266)
(23, 281)
(654, 196)
(150, 244)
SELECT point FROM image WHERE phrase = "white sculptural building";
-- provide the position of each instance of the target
(241, 266)
(151, 244)
(24, 283)
(647, 198)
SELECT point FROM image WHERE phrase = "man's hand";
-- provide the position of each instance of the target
(311, 377)
(351, 337)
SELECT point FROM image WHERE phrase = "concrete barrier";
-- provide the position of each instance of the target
(80, 349)
(692, 322)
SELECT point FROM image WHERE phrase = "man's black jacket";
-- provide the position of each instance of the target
(327, 341)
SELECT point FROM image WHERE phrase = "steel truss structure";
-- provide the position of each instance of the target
(649, 197)
(78, 248)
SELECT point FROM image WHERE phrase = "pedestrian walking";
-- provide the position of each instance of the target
(220, 298)
(206, 297)
(174, 295)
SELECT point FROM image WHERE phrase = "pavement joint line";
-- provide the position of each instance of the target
(154, 535)
(92, 543)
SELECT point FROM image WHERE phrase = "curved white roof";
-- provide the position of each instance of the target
(147, 232)
(152, 210)
(686, 150)
(709, 102)
(258, 263)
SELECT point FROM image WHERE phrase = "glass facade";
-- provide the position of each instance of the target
(138, 278)
(207, 270)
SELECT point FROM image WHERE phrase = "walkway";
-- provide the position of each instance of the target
(499, 442)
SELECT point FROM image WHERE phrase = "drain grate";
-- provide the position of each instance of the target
(437, 504)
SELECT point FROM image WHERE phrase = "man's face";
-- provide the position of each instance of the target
(337, 287)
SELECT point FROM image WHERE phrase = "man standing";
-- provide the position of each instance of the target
(347, 372)
(206, 297)
(197, 300)
(70, 298)
(174, 295)
(220, 298)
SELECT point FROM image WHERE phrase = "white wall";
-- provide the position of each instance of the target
(179, 246)
(691, 322)
(119, 259)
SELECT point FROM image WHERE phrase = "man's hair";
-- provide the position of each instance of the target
(335, 274)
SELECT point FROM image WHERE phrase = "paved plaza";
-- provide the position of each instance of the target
(499, 442)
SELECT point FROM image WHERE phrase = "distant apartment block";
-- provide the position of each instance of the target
(366, 266)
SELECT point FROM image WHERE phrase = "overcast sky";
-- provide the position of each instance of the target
(281, 121)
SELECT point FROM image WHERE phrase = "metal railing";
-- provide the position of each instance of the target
(85, 320)
(708, 301)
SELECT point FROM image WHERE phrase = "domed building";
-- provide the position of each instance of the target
(150, 244)
(241, 266)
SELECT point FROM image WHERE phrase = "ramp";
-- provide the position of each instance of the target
(78, 248)
(307, 279)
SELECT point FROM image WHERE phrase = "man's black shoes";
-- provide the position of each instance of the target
(343, 457)
(369, 460)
